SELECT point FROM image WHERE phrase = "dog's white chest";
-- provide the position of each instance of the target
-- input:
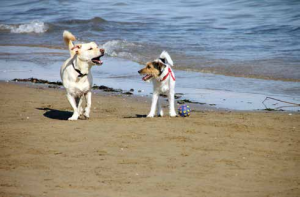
(75, 86)
(161, 87)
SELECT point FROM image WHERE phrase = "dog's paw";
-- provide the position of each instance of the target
(73, 118)
(173, 114)
(150, 116)
(86, 115)
(160, 113)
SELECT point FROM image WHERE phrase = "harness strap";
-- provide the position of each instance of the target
(78, 71)
(169, 73)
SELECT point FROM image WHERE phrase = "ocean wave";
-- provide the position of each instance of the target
(32, 27)
(82, 21)
(122, 49)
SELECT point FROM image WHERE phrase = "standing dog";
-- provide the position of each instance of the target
(76, 76)
(163, 79)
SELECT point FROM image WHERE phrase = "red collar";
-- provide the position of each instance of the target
(169, 73)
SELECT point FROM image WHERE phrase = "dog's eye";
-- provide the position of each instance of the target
(91, 48)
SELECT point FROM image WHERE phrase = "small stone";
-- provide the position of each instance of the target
(128, 93)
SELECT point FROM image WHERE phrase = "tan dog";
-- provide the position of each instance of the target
(76, 76)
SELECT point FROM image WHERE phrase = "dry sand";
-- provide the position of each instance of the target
(116, 153)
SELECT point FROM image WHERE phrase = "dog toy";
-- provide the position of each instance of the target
(184, 110)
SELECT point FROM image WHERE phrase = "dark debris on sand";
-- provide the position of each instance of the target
(106, 89)
(58, 83)
(183, 101)
(176, 96)
(109, 89)
(35, 80)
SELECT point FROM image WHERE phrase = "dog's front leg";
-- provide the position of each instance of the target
(153, 105)
(172, 112)
(87, 110)
(72, 101)
(160, 111)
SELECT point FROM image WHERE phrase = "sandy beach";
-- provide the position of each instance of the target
(118, 153)
(236, 63)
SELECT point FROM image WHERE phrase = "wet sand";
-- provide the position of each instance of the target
(118, 153)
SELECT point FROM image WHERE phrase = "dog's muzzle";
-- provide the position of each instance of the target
(97, 59)
(147, 77)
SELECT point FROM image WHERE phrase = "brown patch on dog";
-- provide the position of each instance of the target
(152, 68)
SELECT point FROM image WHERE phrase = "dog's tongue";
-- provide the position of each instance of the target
(98, 61)
(146, 77)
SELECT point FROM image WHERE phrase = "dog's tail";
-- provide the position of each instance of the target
(68, 38)
(166, 58)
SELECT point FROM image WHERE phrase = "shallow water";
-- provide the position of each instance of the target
(257, 39)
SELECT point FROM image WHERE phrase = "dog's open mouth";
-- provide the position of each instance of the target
(97, 60)
(147, 77)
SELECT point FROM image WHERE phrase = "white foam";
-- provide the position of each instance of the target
(120, 48)
(32, 27)
(114, 46)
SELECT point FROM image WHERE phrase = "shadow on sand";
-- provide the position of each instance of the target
(137, 116)
(56, 114)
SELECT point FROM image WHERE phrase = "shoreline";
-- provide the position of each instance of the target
(118, 152)
(102, 89)
(216, 91)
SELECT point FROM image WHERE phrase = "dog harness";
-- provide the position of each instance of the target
(169, 73)
(78, 71)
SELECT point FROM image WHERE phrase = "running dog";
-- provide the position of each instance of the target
(76, 76)
(160, 73)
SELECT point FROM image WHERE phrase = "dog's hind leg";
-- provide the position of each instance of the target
(153, 105)
(72, 101)
(88, 97)
(160, 111)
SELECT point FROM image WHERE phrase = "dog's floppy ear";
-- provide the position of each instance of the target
(76, 49)
(160, 65)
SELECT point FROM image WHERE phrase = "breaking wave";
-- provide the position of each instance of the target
(122, 49)
(32, 27)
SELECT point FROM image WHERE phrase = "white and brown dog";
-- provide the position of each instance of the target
(163, 79)
(76, 76)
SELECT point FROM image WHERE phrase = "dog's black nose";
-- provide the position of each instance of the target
(139, 71)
